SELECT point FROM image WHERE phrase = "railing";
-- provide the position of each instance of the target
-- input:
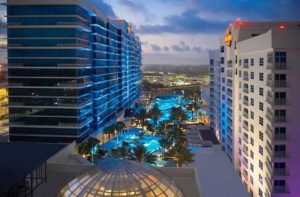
(246, 65)
(279, 137)
(280, 172)
(246, 90)
(246, 78)
(281, 189)
(246, 114)
(280, 101)
(280, 119)
(246, 139)
(246, 102)
(280, 154)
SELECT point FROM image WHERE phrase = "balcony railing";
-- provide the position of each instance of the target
(281, 189)
(246, 127)
(246, 90)
(280, 154)
(246, 114)
(280, 119)
(280, 137)
(246, 65)
(246, 102)
(246, 78)
(280, 172)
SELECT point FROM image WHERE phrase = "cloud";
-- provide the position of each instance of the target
(105, 8)
(181, 47)
(197, 49)
(166, 48)
(136, 7)
(155, 47)
(188, 22)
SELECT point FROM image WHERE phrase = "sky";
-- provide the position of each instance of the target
(183, 31)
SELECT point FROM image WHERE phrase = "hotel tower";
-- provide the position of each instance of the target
(255, 91)
(71, 69)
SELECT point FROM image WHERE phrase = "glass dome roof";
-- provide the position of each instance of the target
(121, 178)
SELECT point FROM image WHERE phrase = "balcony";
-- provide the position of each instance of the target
(246, 65)
(246, 90)
(246, 78)
(245, 162)
(229, 73)
(280, 172)
(245, 150)
(246, 139)
(246, 114)
(246, 102)
(281, 189)
(280, 137)
(280, 154)
(277, 66)
(280, 119)
(276, 83)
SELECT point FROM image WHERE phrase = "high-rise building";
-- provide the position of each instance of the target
(70, 68)
(214, 93)
(259, 105)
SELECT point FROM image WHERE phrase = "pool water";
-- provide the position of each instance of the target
(167, 102)
(150, 142)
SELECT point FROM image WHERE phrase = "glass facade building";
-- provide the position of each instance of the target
(70, 70)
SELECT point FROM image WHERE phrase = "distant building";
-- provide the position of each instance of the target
(71, 69)
(259, 105)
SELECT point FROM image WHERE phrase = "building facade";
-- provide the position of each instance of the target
(261, 59)
(70, 68)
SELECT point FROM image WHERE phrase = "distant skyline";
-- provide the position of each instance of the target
(182, 31)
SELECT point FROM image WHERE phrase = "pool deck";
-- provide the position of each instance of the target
(216, 175)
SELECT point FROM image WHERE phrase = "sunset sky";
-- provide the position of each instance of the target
(182, 31)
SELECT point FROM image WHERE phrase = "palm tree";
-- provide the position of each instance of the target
(141, 115)
(155, 113)
(177, 115)
(193, 107)
(141, 155)
(180, 154)
(120, 126)
(123, 151)
(109, 130)
(87, 146)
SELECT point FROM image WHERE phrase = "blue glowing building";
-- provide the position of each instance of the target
(70, 69)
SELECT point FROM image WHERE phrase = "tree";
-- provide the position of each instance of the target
(85, 148)
(155, 113)
(141, 155)
(180, 154)
(120, 126)
(193, 107)
(141, 115)
(109, 130)
(177, 115)
(123, 151)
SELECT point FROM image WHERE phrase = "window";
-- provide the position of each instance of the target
(222, 70)
(261, 61)
(252, 75)
(240, 62)
(261, 76)
(222, 49)
(261, 91)
(252, 88)
(252, 62)
(260, 178)
(252, 101)
(251, 154)
(261, 150)
(279, 184)
(261, 136)
(222, 60)
(280, 57)
(252, 115)
(251, 141)
(252, 128)
(260, 193)
(251, 167)
(261, 106)
(261, 121)
(251, 179)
